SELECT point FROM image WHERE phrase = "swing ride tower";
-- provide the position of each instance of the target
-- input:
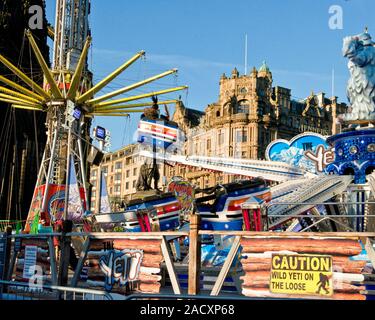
(70, 100)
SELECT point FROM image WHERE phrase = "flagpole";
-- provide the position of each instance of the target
(245, 53)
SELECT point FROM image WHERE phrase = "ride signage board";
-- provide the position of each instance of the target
(301, 274)
(120, 266)
(308, 150)
(30, 261)
(184, 193)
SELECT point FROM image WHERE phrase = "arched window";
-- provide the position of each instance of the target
(243, 90)
(217, 113)
(242, 107)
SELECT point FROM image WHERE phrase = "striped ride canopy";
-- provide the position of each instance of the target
(160, 133)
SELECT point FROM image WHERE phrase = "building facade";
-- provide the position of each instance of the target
(249, 114)
(121, 170)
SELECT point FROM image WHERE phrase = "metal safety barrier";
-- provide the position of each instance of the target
(11, 290)
(195, 297)
(277, 219)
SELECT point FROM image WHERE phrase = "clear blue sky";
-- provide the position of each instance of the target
(203, 39)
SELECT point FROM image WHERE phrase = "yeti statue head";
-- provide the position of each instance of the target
(350, 46)
(360, 51)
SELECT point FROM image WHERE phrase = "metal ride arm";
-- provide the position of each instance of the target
(24, 77)
(109, 78)
(141, 96)
(46, 71)
(19, 88)
(269, 170)
(78, 73)
(131, 87)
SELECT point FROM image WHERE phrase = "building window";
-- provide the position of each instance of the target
(105, 170)
(242, 107)
(241, 135)
(134, 171)
(134, 182)
(111, 168)
(118, 176)
(111, 179)
(117, 189)
(94, 173)
(93, 183)
(217, 113)
(208, 144)
(221, 137)
(118, 165)
(127, 173)
(127, 186)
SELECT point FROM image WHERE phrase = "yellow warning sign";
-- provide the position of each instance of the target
(301, 274)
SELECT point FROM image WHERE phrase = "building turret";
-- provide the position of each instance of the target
(264, 71)
(235, 73)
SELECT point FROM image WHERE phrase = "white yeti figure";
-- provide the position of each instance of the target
(360, 50)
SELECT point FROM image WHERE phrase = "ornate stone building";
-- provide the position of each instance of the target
(249, 114)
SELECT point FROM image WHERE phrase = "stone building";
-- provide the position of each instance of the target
(249, 114)
(121, 170)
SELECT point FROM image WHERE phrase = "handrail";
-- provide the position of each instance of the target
(36, 236)
(104, 235)
(318, 203)
(289, 234)
(59, 288)
(320, 216)
(198, 297)
(119, 235)
(99, 235)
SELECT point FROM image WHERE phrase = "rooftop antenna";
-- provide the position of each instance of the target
(245, 53)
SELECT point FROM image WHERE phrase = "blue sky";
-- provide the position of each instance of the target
(203, 39)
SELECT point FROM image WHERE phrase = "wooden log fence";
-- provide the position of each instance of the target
(254, 250)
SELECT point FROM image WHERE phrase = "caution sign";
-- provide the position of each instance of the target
(301, 274)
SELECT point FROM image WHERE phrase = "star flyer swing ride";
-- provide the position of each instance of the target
(70, 101)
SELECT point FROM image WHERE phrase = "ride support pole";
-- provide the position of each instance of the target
(65, 253)
(8, 248)
(194, 255)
